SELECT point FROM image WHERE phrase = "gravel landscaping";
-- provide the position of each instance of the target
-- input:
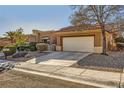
(30, 56)
(113, 62)
(16, 79)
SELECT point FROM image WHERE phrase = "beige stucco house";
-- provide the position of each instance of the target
(74, 39)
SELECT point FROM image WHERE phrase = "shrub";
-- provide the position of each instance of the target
(9, 50)
(23, 48)
(1, 47)
(119, 39)
(42, 47)
(32, 46)
(120, 46)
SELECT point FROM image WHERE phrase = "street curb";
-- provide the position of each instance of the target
(66, 78)
(121, 84)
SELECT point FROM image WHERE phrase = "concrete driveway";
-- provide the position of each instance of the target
(61, 58)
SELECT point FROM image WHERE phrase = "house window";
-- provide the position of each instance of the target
(45, 40)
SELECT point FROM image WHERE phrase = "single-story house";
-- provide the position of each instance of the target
(75, 39)
(5, 41)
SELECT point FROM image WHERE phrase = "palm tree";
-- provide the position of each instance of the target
(11, 36)
(16, 36)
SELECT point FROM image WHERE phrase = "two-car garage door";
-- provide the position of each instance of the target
(81, 44)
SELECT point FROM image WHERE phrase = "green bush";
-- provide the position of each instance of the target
(42, 47)
(9, 50)
(23, 48)
(33, 46)
(119, 39)
(1, 47)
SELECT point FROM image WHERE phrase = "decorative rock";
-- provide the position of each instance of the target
(28, 55)
(20, 54)
(2, 55)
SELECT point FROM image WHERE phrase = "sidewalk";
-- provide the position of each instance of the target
(83, 76)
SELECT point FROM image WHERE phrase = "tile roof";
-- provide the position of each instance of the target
(78, 28)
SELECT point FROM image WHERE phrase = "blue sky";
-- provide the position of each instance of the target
(34, 17)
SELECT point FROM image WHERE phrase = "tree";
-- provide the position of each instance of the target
(20, 37)
(96, 14)
(120, 24)
(11, 36)
(17, 36)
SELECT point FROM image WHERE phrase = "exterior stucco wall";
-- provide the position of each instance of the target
(31, 38)
(41, 34)
(97, 38)
(95, 33)
(98, 49)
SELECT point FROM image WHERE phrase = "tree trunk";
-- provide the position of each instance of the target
(104, 50)
(12, 40)
(5, 56)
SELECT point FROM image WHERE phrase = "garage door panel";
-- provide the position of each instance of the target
(82, 44)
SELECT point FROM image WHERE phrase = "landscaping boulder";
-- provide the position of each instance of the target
(28, 55)
(5, 66)
(20, 54)
(2, 55)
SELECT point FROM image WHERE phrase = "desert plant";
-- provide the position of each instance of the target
(119, 39)
(9, 50)
(33, 46)
(11, 36)
(18, 37)
(23, 48)
(42, 47)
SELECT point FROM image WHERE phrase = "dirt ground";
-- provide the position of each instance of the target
(16, 79)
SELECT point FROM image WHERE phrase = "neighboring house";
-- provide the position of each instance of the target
(116, 30)
(31, 38)
(5, 41)
(75, 38)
